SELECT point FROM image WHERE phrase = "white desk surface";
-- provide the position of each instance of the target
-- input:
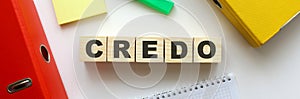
(270, 72)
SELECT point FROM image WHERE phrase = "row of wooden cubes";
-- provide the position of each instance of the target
(150, 49)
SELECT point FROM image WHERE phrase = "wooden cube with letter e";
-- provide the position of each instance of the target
(149, 49)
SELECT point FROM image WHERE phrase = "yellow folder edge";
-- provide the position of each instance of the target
(245, 20)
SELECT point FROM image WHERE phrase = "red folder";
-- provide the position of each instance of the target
(27, 69)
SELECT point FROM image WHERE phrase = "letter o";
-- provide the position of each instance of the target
(212, 49)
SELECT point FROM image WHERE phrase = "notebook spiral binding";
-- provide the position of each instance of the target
(197, 86)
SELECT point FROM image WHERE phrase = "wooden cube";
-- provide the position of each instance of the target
(207, 50)
(149, 49)
(121, 49)
(178, 50)
(93, 49)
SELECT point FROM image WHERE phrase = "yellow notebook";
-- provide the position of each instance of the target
(73, 10)
(259, 20)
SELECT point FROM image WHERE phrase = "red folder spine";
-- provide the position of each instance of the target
(26, 55)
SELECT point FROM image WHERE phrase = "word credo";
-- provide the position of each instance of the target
(150, 49)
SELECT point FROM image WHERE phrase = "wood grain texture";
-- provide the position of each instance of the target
(83, 53)
(189, 49)
(216, 58)
(159, 49)
(111, 50)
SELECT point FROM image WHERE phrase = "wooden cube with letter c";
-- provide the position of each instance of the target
(93, 49)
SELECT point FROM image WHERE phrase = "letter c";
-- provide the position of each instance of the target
(89, 48)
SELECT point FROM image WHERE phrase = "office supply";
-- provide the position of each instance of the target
(163, 6)
(224, 87)
(73, 10)
(28, 69)
(259, 20)
(97, 79)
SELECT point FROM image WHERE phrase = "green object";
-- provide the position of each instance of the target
(163, 6)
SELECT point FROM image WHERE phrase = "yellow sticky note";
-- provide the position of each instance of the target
(73, 10)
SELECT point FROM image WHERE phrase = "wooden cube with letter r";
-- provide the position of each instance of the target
(121, 49)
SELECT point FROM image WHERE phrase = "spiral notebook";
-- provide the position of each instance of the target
(224, 87)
